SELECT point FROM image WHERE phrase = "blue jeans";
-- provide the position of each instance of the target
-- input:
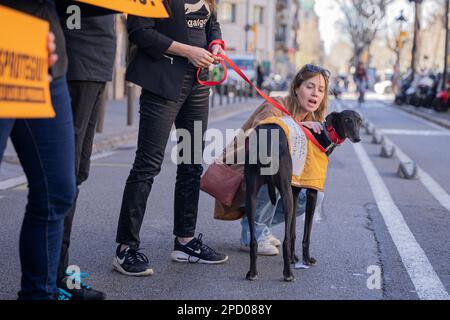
(267, 214)
(46, 151)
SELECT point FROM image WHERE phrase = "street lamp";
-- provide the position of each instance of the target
(398, 47)
(247, 25)
(402, 19)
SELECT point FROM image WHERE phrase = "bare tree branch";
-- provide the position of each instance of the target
(362, 22)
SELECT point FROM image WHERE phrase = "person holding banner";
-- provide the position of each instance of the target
(91, 53)
(164, 63)
(46, 151)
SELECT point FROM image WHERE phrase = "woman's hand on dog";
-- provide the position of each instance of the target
(314, 126)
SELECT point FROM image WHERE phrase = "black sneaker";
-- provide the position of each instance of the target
(84, 291)
(195, 251)
(131, 262)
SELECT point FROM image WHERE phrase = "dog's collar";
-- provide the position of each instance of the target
(333, 136)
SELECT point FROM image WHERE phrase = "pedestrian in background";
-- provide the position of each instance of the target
(361, 81)
(259, 76)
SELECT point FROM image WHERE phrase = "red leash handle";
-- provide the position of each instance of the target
(272, 101)
(225, 71)
(213, 83)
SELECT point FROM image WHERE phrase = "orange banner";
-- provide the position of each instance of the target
(24, 85)
(144, 8)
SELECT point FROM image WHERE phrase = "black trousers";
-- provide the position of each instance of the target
(157, 116)
(86, 98)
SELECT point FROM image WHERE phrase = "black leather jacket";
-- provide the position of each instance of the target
(150, 67)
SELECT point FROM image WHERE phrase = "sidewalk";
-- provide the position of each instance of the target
(115, 133)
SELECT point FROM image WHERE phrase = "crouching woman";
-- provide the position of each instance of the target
(307, 101)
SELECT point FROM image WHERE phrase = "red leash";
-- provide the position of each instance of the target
(261, 93)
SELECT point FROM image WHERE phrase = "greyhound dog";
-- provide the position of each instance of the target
(342, 125)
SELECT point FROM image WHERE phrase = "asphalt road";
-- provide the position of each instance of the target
(373, 222)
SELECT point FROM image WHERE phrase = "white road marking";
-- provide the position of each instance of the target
(112, 165)
(425, 280)
(415, 132)
(433, 187)
(13, 182)
(20, 180)
(102, 155)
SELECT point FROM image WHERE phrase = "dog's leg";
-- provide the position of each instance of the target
(286, 197)
(251, 180)
(295, 194)
(311, 199)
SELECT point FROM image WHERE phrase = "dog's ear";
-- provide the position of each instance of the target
(331, 116)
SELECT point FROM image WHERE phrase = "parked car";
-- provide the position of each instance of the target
(247, 63)
(274, 82)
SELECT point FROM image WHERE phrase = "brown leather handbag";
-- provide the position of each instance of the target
(221, 182)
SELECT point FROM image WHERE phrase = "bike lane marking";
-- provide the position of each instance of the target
(20, 180)
(425, 280)
(435, 189)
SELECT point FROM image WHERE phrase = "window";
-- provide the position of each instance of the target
(258, 15)
(227, 12)
(281, 33)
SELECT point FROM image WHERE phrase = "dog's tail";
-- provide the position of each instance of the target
(272, 194)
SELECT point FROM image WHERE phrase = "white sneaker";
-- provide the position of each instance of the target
(273, 241)
(265, 248)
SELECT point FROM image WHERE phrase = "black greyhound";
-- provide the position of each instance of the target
(342, 125)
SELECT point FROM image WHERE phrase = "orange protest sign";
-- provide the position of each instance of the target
(143, 8)
(24, 85)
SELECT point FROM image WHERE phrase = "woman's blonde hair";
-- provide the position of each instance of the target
(212, 4)
(305, 73)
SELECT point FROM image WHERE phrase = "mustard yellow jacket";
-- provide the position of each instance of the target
(313, 175)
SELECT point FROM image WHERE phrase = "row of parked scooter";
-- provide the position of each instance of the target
(424, 90)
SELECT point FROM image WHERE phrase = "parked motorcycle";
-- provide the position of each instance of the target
(426, 90)
(441, 102)
(404, 84)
